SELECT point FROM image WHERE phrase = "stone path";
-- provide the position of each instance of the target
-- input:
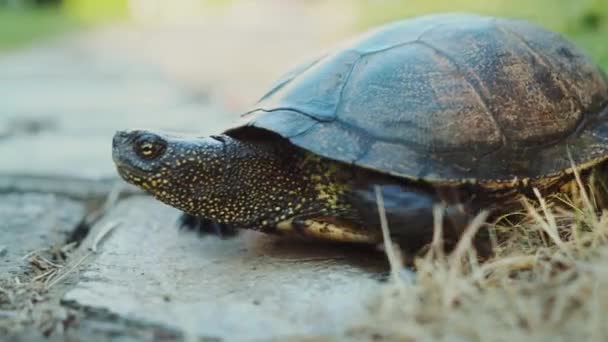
(253, 286)
(61, 103)
(42, 221)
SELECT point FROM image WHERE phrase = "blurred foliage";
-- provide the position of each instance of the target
(26, 21)
(22, 26)
(584, 21)
(96, 11)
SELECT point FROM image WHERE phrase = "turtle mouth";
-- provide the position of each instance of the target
(131, 174)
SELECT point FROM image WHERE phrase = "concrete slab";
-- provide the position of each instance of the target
(33, 222)
(65, 119)
(251, 287)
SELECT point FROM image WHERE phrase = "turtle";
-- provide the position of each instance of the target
(461, 112)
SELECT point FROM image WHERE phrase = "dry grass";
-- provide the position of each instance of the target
(26, 301)
(547, 281)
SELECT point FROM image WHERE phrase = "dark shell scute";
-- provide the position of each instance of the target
(584, 79)
(416, 102)
(317, 91)
(404, 32)
(295, 123)
(447, 97)
(331, 139)
(511, 77)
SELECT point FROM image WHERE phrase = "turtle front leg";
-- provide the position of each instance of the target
(409, 211)
(329, 229)
(205, 227)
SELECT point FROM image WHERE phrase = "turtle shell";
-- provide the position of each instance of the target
(449, 97)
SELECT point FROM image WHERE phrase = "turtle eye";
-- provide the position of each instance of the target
(148, 147)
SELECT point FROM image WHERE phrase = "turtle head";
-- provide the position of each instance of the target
(177, 170)
(253, 182)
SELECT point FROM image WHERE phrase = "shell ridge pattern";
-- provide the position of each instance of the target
(350, 73)
(294, 74)
(347, 125)
(328, 129)
(476, 85)
(304, 131)
(409, 42)
(359, 130)
(278, 109)
(290, 76)
(362, 132)
(541, 60)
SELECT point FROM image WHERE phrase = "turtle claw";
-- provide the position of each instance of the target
(205, 227)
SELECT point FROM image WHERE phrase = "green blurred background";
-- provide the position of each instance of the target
(23, 22)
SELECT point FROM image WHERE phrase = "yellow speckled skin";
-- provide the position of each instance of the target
(262, 185)
(265, 183)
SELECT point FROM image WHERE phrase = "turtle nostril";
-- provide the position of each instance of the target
(120, 138)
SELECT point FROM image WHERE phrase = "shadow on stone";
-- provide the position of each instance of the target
(290, 250)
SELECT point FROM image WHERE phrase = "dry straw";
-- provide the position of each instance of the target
(548, 278)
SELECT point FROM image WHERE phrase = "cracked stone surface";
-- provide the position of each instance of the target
(254, 286)
(32, 222)
(61, 103)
